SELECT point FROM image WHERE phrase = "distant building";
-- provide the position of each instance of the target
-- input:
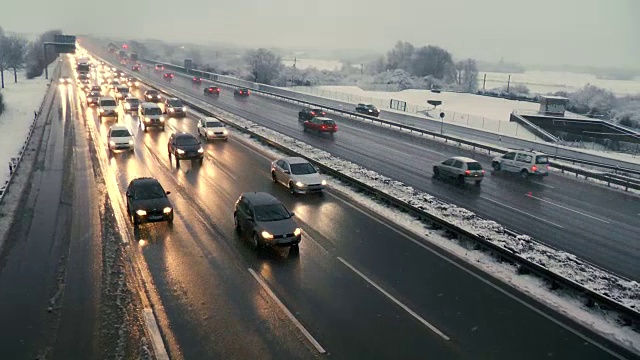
(553, 105)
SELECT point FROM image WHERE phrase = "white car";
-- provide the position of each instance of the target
(523, 162)
(299, 175)
(107, 107)
(120, 138)
(211, 128)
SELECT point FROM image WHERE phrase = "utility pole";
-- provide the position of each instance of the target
(484, 81)
(295, 60)
(509, 83)
(361, 69)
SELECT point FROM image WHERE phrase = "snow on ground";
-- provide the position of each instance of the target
(21, 100)
(331, 65)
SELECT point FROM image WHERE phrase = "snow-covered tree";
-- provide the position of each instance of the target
(467, 75)
(264, 65)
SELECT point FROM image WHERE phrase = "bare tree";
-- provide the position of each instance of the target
(4, 51)
(400, 56)
(16, 54)
(467, 75)
(434, 61)
(264, 65)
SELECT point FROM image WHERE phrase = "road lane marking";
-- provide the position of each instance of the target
(566, 208)
(523, 212)
(291, 317)
(541, 184)
(398, 302)
(156, 339)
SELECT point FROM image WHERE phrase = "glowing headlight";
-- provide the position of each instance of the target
(130, 142)
(225, 132)
(209, 132)
(112, 143)
(161, 119)
(299, 184)
(141, 212)
(180, 151)
(324, 182)
(128, 106)
(201, 150)
(297, 232)
(167, 210)
(172, 110)
(101, 110)
(184, 108)
(267, 235)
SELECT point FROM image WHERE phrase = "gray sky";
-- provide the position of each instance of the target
(581, 32)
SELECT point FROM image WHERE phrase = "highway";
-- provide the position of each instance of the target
(362, 287)
(593, 222)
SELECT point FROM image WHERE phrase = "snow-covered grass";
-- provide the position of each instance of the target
(21, 100)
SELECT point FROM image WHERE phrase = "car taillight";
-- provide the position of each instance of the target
(313, 113)
(548, 167)
(534, 168)
(240, 91)
(218, 90)
(483, 172)
(467, 172)
(248, 92)
(324, 113)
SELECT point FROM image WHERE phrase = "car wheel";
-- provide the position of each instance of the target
(524, 174)
(304, 129)
(273, 177)
(461, 180)
(255, 242)
(436, 172)
(496, 166)
(292, 188)
(236, 224)
(170, 220)
(177, 161)
(201, 161)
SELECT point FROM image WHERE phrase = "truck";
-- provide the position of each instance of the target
(83, 68)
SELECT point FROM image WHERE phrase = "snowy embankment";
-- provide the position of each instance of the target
(21, 100)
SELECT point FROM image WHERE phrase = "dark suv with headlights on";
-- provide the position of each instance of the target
(367, 109)
(309, 113)
(147, 202)
(184, 146)
(266, 220)
(152, 96)
(175, 108)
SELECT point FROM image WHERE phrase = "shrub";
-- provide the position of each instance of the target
(1, 104)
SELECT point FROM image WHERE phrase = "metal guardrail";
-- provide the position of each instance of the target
(218, 78)
(629, 316)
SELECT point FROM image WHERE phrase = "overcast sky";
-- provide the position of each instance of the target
(581, 32)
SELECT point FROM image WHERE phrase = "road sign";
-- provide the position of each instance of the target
(442, 115)
(65, 39)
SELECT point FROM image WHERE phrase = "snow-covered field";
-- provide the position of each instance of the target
(313, 63)
(21, 100)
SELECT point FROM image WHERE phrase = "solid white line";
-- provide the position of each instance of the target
(566, 208)
(293, 319)
(541, 184)
(405, 307)
(523, 212)
(154, 332)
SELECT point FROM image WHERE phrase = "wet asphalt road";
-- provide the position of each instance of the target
(591, 221)
(214, 307)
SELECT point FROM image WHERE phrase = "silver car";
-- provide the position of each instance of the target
(299, 175)
(462, 169)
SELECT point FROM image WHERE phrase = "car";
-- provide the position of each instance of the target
(523, 162)
(94, 87)
(184, 146)
(135, 67)
(196, 80)
(121, 91)
(150, 115)
(460, 168)
(107, 107)
(212, 90)
(211, 128)
(266, 220)
(241, 92)
(119, 138)
(367, 109)
(132, 82)
(65, 80)
(84, 76)
(168, 76)
(308, 113)
(85, 85)
(175, 108)
(298, 174)
(113, 84)
(159, 67)
(92, 98)
(321, 125)
(131, 104)
(152, 96)
(147, 202)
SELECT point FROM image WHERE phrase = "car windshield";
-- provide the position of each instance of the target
(108, 103)
(94, 94)
(271, 212)
(328, 122)
(186, 141)
(175, 103)
(474, 166)
(133, 101)
(153, 111)
(149, 191)
(372, 107)
(152, 92)
(213, 124)
(120, 133)
(542, 159)
(302, 169)
(317, 111)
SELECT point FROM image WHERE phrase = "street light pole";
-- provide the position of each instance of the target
(441, 123)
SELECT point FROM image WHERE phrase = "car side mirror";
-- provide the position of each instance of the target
(167, 192)
(292, 214)
(287, 172)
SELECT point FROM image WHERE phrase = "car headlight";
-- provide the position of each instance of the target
(161, 119)
(112, 143)
(324, 182)
(180, 151)
(128, 106)
(297, 232)
(184, 108)
(267, 235)
(130, 142)
(225, 132)
(209, 132)
(201, 150)
(172, 109)
(167, 210)
(299, 184)
(101, 110)
(141, 212)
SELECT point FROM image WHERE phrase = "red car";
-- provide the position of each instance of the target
(159, 67)
(321, 125)
(212, 90)
(135, 67)
(197, 80)
(168, 76)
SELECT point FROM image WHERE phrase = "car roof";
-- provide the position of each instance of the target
(183, 135)
(295, 160)
(260, 198)
(173, 99)
(107, 98)
(211, 118)
(151, 90)
(527, 151)
(464, 159)
(150, 105)
(323, 118)
(131, 98)
(145, 181)
(118, 127)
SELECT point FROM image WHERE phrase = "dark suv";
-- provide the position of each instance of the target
(147, 202)
(367, 109)
(310, 113)
(266, 220)
(241, 92)
(184, 146)
(212, 90)
(152, 96)
(175, 108)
